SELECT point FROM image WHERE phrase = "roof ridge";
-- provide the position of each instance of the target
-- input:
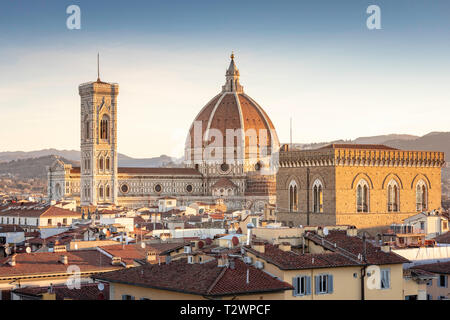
(221, 274)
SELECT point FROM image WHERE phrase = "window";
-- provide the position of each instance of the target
(100, 163)
(443, 281)
(87, 130)
(107, 191)
(317, 196)
(49, 222)
(107, 164)
(127, 297)
(124, 188)
(144, 299)
(393, 196)
(302, 286)
(422, 225)
(324, 284)
(293, 197)
(385, 278)
(104, 128)
(189, 188)
(100, 191)
(362, 196)
(158, 188)
(421, 196)
(65, 221)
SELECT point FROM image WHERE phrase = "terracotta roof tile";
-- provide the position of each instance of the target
(438, 267)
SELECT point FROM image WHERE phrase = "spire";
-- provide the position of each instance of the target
(232, 78)
(98, 67)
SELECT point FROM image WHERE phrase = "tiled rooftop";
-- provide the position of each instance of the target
(205, 279)
(31, 264)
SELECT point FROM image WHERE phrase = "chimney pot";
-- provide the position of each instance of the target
(64, 259)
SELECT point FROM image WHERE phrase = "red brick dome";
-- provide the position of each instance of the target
(232, 110)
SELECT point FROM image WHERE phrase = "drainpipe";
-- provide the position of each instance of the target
(307, 197)
(363, 275)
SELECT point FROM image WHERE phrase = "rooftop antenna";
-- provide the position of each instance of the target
(98, 67)
(290, 133)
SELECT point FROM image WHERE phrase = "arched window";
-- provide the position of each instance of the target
(107, 164)
(421, 196)
(107, 191)
(317, 196)
(104, 128)
(362, 196)
(293, 197)
(100, 163)
(87, 129)
(100, 191)
(393, 196)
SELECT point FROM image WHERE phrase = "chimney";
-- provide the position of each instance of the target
(12, 260)
(320, 231)
(64, 259)
(151, 257)
(352, 232)
(115, 261)
(223, 261)
(258, 246)
(285, 246)
(250, 226)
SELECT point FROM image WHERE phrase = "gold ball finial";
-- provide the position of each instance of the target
(232, 55)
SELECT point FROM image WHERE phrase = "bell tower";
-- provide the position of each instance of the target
(98, 143)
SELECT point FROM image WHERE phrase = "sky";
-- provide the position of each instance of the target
(313, 61)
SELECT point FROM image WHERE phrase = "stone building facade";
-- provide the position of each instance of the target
(242, 175)
(363, 185)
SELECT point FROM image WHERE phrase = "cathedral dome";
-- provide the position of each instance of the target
(230, 111)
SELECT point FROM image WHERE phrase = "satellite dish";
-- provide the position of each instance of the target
(28, 250)
(105, 230)
(101, 286)
(325, 231)
(143, 245)
(250, 225)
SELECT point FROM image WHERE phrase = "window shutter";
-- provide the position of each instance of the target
(316, 284)
(308, 286)
(330, 283)
(446, 281)
(295, 285)
(388, 278)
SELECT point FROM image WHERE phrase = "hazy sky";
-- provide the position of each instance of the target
(314, 61)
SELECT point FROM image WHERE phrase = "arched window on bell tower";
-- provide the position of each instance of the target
(104, 128)
(87, 129)
(107, 164)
